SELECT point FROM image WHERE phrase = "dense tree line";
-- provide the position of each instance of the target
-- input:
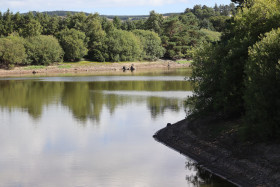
(239, 76)
(47, 39)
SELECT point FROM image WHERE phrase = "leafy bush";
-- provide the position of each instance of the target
(43, 50)
(180, 34)
(232, 82)
(122, 46)
(151, 42)
(73, 43)
(263, 87)
(12, 51)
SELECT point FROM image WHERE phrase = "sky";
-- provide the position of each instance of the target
(106, 7)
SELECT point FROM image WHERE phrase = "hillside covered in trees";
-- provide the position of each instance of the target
(239, 76)
(45, 38)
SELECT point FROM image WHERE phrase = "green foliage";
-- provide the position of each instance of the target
(87, 35)
(206, 24)
(206, 77)
(154, 22)
(213, 18)
(221, 69)
(122, 46)
(31, 28)
(180, 34)
(203, 12)
(263, 87)
(73, 43)
(128, 25)
(151, 42)
(77, 21)
(107, 25)
(50, 25)
(219, 23)
(96, 38)
(96, 55)
(12, 51)
(117, 22)
(7, 25)
(211, 36)
(43, 50)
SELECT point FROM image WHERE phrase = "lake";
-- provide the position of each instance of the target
(94, 130)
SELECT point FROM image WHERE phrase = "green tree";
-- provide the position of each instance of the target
(107, 26)
(73, 43)
(7, 26)
(78, 22)
(219, 22)
(263, 87)
(139, 24)
(117, 22)
(206, 24)
(122, 46)
(50, 24)
(12, 51)
(154, 22)
(219, 73)
(31, 28)
(96, 38)
(18, 22)
(151, 42)
(180, 34)
(43, 50)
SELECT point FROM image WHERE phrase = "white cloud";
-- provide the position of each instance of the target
(112, 7)
(81, 4)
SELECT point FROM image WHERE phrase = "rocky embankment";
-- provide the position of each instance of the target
(244, 164)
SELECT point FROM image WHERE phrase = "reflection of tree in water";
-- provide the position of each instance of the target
(141, 85)
(31, 96)
(203, 177)
(81, 102)
(158, 105)
(85, 100)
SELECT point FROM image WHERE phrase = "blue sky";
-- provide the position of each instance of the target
(113, 7)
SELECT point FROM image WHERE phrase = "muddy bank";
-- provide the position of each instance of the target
(91, 68)
(244, 164)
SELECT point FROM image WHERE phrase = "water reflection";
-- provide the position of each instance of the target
(86, 100)
(204, 178)
(83, 133)
(29, 96)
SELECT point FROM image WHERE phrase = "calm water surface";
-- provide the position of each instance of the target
(94, 131)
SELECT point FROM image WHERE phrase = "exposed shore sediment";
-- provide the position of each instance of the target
(91, 68)
(243, 164)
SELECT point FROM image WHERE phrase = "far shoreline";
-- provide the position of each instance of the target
(92, 68)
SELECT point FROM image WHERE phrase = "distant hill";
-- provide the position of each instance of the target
(122, 17)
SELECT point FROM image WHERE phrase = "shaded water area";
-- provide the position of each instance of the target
(94, 131)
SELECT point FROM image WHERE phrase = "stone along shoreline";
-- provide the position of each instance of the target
(243, 164)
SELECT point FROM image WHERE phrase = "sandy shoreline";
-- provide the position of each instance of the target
(243, 165)
(92, 68)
